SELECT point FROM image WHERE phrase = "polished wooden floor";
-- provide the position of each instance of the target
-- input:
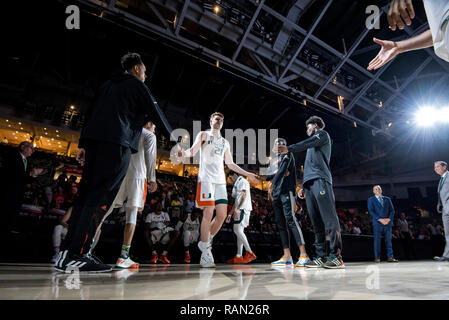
(362, 280)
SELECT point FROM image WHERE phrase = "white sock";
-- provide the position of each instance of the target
(154, 252)
(164, 253)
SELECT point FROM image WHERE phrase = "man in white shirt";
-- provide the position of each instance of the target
(157, 229)
(211, 189)
(241, 211)
(190, 224)
(401, 11)
(440, 168)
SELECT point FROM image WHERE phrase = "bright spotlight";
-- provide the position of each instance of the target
(426, 116)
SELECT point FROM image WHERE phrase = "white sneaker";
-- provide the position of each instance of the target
(126, 263)
(203, 245)
(207, 259)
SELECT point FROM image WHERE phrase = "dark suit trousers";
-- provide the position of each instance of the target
(380, 231)
(320, 202)
(103, 172)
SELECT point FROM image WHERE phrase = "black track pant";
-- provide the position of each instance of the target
(103, 172)
(320, 202)
(284, 214)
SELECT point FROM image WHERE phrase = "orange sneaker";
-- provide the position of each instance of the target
(249, 256)
(187, 258)
(153, 258)
(163, 259)
(236, 260)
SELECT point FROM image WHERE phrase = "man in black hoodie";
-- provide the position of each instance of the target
(110, 134)
(320, 199)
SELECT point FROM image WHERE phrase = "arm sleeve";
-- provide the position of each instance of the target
(371, 210)
(152, 109)
(282, 168)
(318, 139)
(391, 210)
(150, 152)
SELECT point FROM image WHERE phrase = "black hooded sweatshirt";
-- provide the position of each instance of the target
(118, 112)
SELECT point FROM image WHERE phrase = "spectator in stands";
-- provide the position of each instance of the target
(406, 235)
(59, 198)
(48, 190)
(16, 172)
(175, 207)
(157, 229)
(189, 205)
(190, 224)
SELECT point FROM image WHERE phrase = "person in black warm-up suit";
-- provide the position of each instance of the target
(111, 133)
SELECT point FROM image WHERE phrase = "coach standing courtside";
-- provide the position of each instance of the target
(440, 168)
(111, 133)
(382, 210)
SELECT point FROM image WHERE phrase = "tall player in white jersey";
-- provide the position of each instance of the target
(141, 175)
(211, 189)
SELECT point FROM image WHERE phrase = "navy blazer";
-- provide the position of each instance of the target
(377, 211)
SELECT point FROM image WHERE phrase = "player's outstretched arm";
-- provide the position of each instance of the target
(200, 137)
(231, 165)
(390, 49)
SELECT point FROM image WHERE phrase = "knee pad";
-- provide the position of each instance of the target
(131, 215)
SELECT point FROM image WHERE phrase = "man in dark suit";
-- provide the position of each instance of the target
(110, 134)
(15, 173)
(382, 211)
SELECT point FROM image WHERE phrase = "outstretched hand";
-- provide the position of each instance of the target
(387, 52)
(253, 178)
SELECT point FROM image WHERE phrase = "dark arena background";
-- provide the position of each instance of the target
(265, 65)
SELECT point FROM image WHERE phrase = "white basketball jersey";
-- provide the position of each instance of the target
(191, 225)
(437, 11)
(212, 159)
(239, 185)
(138, 166)
(157, 221)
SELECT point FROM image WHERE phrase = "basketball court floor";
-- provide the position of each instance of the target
(361, 280)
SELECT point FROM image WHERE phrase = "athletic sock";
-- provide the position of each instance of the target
(154, 252)
(125, 251)
(238, 255)
(164, 253)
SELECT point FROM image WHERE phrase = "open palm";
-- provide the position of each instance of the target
(388, 51)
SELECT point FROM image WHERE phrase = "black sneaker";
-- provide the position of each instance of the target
(315, 263)
(333, 262)
(67, 264)
(94, 258)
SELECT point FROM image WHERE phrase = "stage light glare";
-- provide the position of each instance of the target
(217, 9)
(444, 115)
(426, 116)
